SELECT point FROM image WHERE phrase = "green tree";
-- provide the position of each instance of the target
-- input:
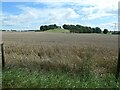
(65, 26)
(105, 31)
(42, 28)
(98, 30)
(47, 27)
(93, 30)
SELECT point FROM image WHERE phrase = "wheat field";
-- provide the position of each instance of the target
(65, 60)
(75, 53)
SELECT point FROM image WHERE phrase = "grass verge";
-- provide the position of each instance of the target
(24, 78)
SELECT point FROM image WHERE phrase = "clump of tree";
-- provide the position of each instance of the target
(105, 31)
(82, 29)
(115, 32)
(48, 27)
(4, 30)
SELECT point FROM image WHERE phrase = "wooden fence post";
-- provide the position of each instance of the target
(118, 65)
(3, 56)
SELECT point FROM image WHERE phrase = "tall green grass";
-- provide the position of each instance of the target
(24, 78)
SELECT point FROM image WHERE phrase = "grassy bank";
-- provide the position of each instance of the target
(23, 78)
(58, 30)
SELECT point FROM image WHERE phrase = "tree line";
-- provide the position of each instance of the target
(74, 28)
(48, 27)
(82, 29)
(71, 28)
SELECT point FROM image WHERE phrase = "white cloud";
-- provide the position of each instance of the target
(96, 13)
(99, 8)
(56, 13)
(33, 17)
(92, 9)
(100, 3)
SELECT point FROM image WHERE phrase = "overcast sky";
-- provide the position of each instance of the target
(31, 14)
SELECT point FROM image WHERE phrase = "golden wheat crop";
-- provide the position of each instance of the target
(75, 53)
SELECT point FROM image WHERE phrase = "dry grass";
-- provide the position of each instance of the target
(77, 53)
